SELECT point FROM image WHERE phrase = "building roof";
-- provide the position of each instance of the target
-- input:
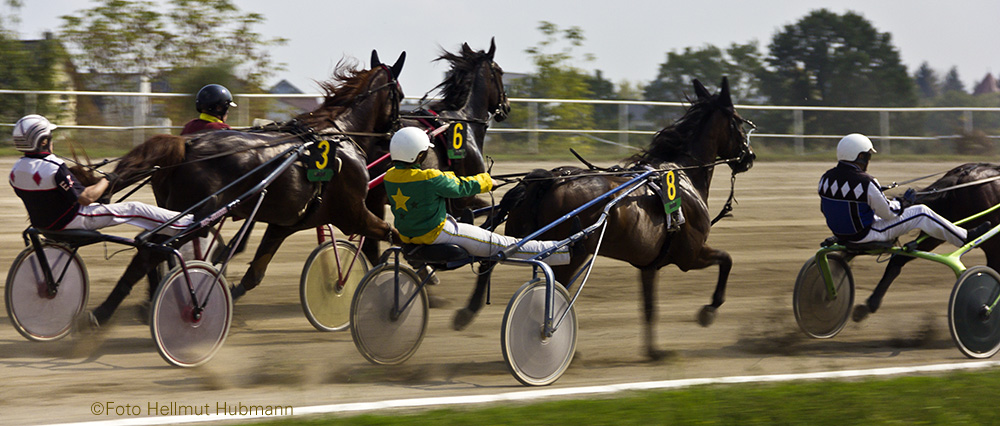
(988, 85)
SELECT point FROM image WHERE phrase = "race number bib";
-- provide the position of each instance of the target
(457, 135)
(321, 156)
(671, 200)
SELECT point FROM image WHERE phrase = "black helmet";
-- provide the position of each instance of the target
(214, 99)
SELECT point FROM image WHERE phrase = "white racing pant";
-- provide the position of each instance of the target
(96, 216)
(920, 217)
(480, 242)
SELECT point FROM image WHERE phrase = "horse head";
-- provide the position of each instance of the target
(710, 130)
(474, 83)
(360, 100)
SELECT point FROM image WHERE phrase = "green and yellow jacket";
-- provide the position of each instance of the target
(417, 198)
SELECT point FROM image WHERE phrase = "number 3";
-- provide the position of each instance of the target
(325, 146)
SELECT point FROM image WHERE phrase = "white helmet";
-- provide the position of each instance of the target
(853, 144)
(29, 132)
(408, 143)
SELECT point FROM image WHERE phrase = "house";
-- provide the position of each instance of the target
(988, 85)
(51, 69)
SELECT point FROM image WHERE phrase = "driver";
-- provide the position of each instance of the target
(417, 199)
(56, 200)
(857, 211)
(213, 102)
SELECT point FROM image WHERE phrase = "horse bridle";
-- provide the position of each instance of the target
(394, 97)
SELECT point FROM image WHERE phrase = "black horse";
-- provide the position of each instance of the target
(472, 94)
(190, 170)
(636, 231)
(952, 204)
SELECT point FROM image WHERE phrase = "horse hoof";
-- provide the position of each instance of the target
(237, 291)
(463, 317)
(860, 313)
(706, 316)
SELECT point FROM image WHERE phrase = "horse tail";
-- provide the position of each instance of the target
(531, 189)
(158, 151)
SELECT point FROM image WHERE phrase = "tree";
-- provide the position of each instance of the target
(837, 60)
(556, 78)
(952, 83)
(131, 37)
(742, 63)
(927, 81)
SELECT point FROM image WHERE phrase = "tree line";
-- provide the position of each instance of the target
(824, 59)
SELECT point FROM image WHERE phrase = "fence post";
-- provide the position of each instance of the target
(244, 111)
(30, 103)
(533, 126)
(967, 116)
(798, 127)
(883, 124)
(622, 126)
(140, 110)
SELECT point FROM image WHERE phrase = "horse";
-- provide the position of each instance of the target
(472, 94)
(189, 170)
(953, 202)
(636, 229)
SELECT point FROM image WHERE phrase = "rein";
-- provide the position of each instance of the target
(961, 185)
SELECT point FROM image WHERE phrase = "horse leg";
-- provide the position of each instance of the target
(892, 270)
(142, 262)
(269, 243)
(648, 278)
(706, 316)
(463, 317)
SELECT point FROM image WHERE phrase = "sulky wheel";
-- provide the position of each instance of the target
(532, 357)
(327, 285)
(819, 315)
(975, 329)
(37, 313)
(186, 336)
(382, 333)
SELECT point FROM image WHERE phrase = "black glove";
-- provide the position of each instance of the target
(112, 177)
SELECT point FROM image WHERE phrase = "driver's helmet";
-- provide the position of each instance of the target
(30, 131)
(853, 144)
(407, 143)
(214, 99)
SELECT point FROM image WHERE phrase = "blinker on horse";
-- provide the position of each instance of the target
(636, 232)
(189, 170)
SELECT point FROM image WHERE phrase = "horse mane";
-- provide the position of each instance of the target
(159, 150)
(348, 82)
(672, 141)
(458, 80)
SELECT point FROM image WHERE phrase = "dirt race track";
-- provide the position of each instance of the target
(273, 356)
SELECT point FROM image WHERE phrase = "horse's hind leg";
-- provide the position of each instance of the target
(648, 278)
(463, 317)
(269, 243)
(892, 271)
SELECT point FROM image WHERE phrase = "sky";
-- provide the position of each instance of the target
(629, 39)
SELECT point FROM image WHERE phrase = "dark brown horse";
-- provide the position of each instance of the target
(472, 94)
(636, 230)
(953, 204)
(190, 170)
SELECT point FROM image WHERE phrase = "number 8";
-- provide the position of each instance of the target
(671, 185)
